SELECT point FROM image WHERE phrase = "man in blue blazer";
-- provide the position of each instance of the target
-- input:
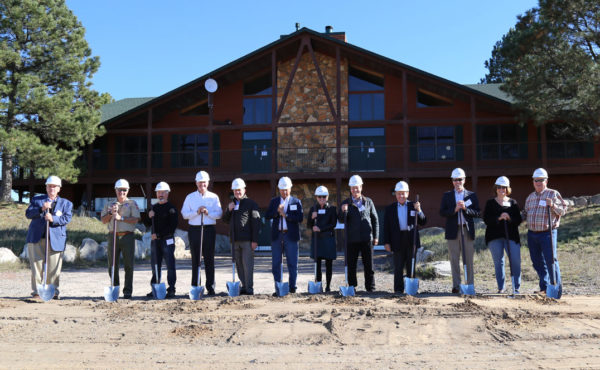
(57, 212)
(459, 207)
(399, 232)
(286, 214)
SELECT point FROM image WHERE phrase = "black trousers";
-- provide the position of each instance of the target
(208, 253)
(366, 252)
(328, 270)
(402, 259)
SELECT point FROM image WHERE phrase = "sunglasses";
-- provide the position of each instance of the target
(539, 180)
(501, 187)
(458, 180)
(321, 196)
(123, 190)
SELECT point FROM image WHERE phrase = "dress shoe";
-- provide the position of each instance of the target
(170, 293)
(127, 296)
(210, 292)
(327, 289)
(455, 291)
(292, 290)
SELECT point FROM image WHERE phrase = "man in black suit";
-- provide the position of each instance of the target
(460, 206)
(399, 233)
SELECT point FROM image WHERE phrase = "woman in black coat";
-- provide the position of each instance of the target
(322, 219)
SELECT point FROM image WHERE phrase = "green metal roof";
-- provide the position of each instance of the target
(119, 107)
(492, 90)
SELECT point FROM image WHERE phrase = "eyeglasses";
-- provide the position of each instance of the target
(123, 190)
(321, 196)
(501, 187)
(458, 180)
(539, 180)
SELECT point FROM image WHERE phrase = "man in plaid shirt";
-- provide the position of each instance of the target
(540, 239)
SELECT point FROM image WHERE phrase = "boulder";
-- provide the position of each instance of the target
(89, 250)
(580, 201)
(595, 199)
(143, 247)
(180, 251)
(570, 202)
(70, 253)
(7, 256)
(442, 268)
(222, 244)
(431, 231)
(183, 235)
(423, 255)
(25, 254)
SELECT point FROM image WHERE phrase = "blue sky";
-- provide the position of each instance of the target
(149, 47)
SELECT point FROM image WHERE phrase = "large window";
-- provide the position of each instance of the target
(100, 154)
(436, 143)
(258, 98)
(365, 96)
(131, 151)
(192, 150)
(506, 141)
(257, 155)
(565, 145)
(367, 149)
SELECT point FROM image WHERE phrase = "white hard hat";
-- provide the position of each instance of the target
(321, 191)
(540, 172)
(284, 183)
(161, 186)
(355, 180)
(401, 186)
(238, 184)
(502, 181)
(121, 184)
(54, 180)
(202, 176)
(458, 173)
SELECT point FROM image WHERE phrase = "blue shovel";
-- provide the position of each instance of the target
(411, 284)
(315, 287)
(348, 290)
(159, 290)
(282, 288)
(46, 291)
(197, 291)
(553, 290)
(465, 289)
(233, 287)
(111, 293)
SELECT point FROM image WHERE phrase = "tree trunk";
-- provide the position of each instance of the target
(7, 180)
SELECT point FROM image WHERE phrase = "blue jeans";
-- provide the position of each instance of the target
(540, 249)
(497, 248)
(159, 251)
(291, 256)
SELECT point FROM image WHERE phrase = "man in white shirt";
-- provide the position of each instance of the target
(202, 209)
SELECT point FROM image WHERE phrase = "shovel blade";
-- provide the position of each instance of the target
(111, 293)
(196, 292)
(233, 288)
(411, 285)
(283, 289)
(347, 291)
(159, 291)
(315, 287)
(46, 292)
(467, 289)
(552, 291)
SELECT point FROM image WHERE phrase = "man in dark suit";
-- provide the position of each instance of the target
(57, 212)
(399, 233)
(459, 207)
(285, 212)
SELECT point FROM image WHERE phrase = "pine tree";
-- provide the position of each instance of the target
(48, 111)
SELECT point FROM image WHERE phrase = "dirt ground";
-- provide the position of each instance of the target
(370, 330)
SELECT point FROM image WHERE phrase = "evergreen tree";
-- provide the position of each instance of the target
(549, 63)
(48, 111)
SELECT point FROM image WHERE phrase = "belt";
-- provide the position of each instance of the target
(283, 231)
(538, 232)
(123, 233)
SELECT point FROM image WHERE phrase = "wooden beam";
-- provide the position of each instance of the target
(291, 79)
(322, 80)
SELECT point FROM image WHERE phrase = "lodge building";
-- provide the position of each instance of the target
(318, 109)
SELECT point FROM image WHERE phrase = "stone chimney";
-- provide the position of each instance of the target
(336, 35)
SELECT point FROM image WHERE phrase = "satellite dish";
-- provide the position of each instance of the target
(210, 85)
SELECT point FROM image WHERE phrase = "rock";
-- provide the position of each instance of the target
(423, 255)
(70, 253)
(7, 256)
(442, 268)
(222, 244)
(183, 235)
(595, 199)
(570, 203)
(143, 247)
(580, 201)
(24, 255)
(89, 250)
(431, 231)
(180, 251)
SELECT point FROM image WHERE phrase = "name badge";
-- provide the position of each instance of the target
(412, 213)
(361, 208)
(170, 242)
(237, 207)
(543, 202)
(58, 213)
(468, 203)
(293, 207)
(506, 204)
(321, 211)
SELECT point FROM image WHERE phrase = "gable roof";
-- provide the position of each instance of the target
(114, 111)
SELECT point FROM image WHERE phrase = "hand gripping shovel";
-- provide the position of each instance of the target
(512, 275)
(197, 291)
(315, 287)
(233, 287)
(553, 290)
(465, 289)
(111, 293)
(46, 291)
(282, 288)
(411, 284)
(348, 290)
(159, 290)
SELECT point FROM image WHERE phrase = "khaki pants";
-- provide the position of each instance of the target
(455, 253)
(37, 254)
(126, 247)
(244, 263)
